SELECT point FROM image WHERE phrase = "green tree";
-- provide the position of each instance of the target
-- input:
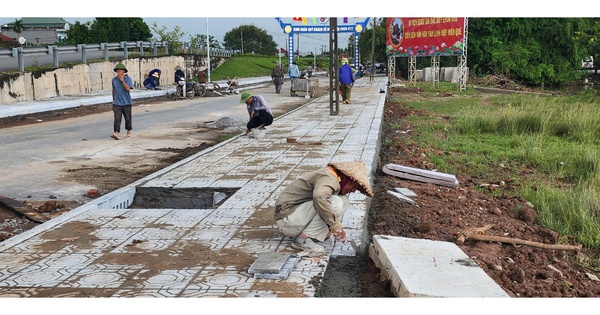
(531, 50)
(108, 30)
(18, 26)
(172, 37)
(119, 29)
(590, 40)
(201, 41)
(365, 42)
(79, 33)
(250, 39)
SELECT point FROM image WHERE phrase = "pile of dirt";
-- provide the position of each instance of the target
(443, 214)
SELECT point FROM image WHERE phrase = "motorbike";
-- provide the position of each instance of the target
(188, 87)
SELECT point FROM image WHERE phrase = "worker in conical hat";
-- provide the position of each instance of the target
(311, 207)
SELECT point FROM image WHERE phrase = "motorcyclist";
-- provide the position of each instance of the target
(179, 75)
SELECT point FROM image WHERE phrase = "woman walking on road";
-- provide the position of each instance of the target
(346, 78)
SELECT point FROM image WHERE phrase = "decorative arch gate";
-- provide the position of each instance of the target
(321, 26)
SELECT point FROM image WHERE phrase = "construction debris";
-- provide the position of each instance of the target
(420, 175)
(294, 140)
(476, 235)
(401, 196)
(22, 209)
(405, 191)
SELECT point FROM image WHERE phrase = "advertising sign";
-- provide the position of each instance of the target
(407, 37)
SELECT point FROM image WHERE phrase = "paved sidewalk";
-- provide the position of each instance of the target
(107, 248)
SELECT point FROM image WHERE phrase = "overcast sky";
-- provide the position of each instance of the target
(222, 16)
(219, 26)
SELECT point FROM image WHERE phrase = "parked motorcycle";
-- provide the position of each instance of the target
(189, 87)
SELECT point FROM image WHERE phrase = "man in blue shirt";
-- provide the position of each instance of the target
(346, 80)
(293, 72)
(122, 102)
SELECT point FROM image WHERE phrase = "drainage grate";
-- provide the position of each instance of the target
(180, 198)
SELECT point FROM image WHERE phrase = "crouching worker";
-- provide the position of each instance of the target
(259, 111)
(151, 82)
(311, 207)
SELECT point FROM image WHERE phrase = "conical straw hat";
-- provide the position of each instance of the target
(358, 172)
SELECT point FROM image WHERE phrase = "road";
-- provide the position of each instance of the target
(39, 160)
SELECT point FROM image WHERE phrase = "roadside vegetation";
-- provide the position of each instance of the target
(246, 66)
(545, 149)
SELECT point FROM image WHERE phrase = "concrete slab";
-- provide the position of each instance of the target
(269, 262)
(275, 266)
(426, 268)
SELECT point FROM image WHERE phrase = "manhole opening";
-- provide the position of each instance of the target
(180, 198)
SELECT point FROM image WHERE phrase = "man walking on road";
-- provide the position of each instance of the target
(122, 102)
(293, 72)
(277, 77)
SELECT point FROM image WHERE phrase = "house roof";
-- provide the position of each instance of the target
(37, 22)
(6, 39)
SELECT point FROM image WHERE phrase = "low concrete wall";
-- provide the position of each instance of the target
(94, 77)
(447, 74)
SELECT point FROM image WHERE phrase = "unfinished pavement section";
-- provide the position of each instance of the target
(106, 249)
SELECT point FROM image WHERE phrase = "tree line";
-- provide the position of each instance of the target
(100, 30)
(530, 50)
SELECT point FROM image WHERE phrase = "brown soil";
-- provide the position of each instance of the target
(440, 213)
(443, 213)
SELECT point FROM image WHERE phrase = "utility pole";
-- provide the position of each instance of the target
(207, 53)
(242, 35)
(334, 84)
(298, 44)
(372, 70)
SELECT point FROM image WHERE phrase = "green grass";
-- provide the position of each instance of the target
(246, 66)
(556, 140)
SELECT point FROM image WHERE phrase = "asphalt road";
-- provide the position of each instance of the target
(34, 157)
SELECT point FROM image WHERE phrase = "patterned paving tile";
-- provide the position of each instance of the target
(259, 168)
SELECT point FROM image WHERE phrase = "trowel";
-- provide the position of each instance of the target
(354, 246)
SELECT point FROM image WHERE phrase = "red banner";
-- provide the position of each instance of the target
(425, 36)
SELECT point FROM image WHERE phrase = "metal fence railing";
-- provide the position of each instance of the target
(81, 53)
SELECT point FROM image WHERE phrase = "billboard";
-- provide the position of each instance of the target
(407, 37)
